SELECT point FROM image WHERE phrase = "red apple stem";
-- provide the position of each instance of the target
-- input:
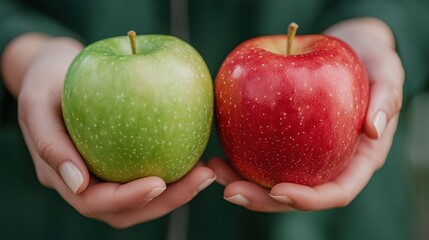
(291, 32)
(132, 36)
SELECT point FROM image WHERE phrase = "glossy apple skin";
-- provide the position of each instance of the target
(295, 118)
(133, 116)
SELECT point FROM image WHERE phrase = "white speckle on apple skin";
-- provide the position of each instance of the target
(153, 119)
(299, 146)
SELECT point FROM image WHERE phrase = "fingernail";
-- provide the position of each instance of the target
(154, 193)
(238, 200)
(205, 184)
(380, 121)
(71, 175)
(283, 199)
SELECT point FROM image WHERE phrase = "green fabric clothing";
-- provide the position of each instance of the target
(383, 209)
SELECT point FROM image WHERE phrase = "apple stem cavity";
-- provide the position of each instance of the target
(132, 36)
(291, 32)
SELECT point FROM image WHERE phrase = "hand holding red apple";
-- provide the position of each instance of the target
(291, 114)
(371, 153)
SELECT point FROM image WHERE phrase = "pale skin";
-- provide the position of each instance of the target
(34, 65)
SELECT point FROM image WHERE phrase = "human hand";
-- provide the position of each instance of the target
(374, 43)
(58, 164)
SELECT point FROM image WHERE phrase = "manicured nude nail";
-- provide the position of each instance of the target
(71, 175)
(205, 184)
(283, 199)
(238, 200)
(154, 193)
(380, 121)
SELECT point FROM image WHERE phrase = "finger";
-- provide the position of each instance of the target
(176, 195)
(304, 198)
(225, 174)
(253, 197)
(386, 76)
(338, 193)
(45, 174)
(185, 189)
(106, 197)
(343, 189)
(41, 121)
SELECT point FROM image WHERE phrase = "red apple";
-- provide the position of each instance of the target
(291, 117)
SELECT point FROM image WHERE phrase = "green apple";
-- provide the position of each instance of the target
(141, 111)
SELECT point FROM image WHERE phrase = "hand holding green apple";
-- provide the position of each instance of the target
(139, 111)
(58, 164)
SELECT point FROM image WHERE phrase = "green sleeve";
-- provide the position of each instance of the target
(17, 18)
(409, 23)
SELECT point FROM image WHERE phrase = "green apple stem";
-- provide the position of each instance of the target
(132, 36)
(291, 32)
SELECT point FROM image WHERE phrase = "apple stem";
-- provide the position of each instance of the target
(132, 36)
(291, 32)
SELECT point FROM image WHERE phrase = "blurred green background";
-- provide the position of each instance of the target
(418, 153)
(29, 210)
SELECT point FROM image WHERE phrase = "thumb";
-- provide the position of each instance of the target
(57, 150)
(39, 109)
(47, 139)
(386, 76)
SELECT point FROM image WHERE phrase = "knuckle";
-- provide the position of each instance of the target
(86, 211)
(179, 201)
(43, 179)
(397, 96)
(345, 199)
(110, 217)
(118, 223)
(42, 175)
(378, 165)
(44, 147)
(175, 204)
(307, 208)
